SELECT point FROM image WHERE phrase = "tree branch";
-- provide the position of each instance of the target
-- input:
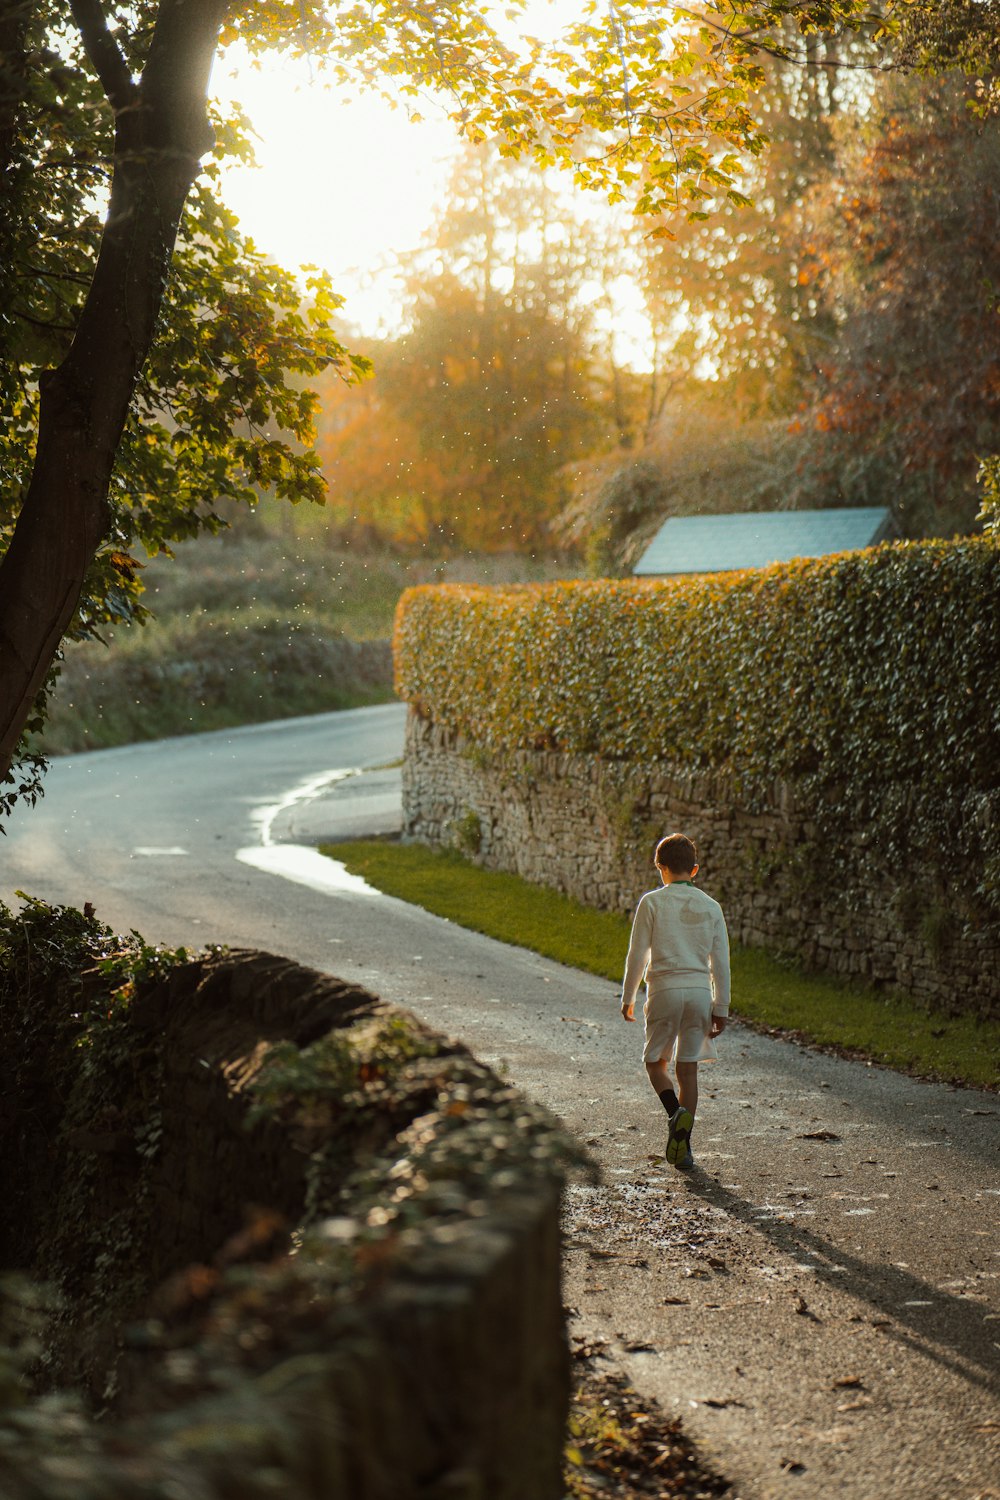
(24, 317)
(104, 52)
(752, 40)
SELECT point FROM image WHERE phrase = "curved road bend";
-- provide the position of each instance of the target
(821, 1304)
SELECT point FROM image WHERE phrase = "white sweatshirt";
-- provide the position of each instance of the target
(679, 938)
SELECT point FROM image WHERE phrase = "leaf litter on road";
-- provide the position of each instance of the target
(623, 1446)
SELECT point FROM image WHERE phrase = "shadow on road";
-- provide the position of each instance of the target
(936, 1324)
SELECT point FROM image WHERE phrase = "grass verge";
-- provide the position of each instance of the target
(209, 673)
(769, 993)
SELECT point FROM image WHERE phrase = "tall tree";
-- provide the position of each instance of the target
(964, 35)
(909, 397)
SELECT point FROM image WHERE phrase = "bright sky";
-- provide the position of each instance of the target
(344, 186)
(338, 185)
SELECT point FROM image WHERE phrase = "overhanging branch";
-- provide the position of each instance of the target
(104, 52)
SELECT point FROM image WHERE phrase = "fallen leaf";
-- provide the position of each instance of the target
(849, 1382)
(721, 1402)
(589, 1348)
(640, 1348)
(818, 1135)
(676, 1301)
(792, 1466)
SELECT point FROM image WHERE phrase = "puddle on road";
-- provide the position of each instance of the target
(307, 866)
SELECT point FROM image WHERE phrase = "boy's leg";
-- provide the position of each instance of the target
(687, 1085)
(663, 1087)
(680, 1111)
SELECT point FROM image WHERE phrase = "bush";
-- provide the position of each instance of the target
(632, 493)
(866, 679)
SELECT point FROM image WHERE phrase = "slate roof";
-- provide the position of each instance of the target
(716, 544)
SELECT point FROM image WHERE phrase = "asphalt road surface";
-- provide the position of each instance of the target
(820, 1301)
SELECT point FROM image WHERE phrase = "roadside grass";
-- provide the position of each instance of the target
(770, 993)
(245, 627)
(210, 671)
(258, 623)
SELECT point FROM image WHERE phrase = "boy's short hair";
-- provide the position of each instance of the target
(676, 853)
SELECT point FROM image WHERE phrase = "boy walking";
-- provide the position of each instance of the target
(680, 945)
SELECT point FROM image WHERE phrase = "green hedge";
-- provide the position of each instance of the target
(868, 679)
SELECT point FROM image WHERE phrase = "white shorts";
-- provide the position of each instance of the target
(678, 1023)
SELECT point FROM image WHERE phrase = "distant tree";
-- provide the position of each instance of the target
(738, 301)
(479, 406)
(934, 37)
(856, 294)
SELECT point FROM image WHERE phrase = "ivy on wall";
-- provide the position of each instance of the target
(865, 681)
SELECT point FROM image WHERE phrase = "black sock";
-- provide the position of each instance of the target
(670, 1101)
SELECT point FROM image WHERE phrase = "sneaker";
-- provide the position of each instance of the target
(687, 1164)
(678, 1141)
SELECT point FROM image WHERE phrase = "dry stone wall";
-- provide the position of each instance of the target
(588, 827)
(398, 1338)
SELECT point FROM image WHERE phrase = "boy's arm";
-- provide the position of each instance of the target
(719, 963)
(638, 957)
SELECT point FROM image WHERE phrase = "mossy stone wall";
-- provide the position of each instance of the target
(588, 827)
(305, 1249)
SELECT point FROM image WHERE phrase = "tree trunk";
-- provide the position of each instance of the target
(161, 132)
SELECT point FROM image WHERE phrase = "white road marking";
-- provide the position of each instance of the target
(265, 815)
(151, 850)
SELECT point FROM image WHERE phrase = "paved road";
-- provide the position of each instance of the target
(821, 1303)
